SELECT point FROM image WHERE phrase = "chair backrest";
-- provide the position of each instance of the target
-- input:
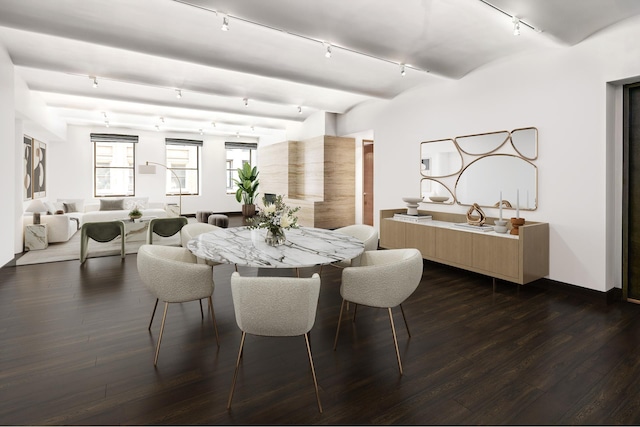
(363, 232)
(190, 231)
(165, 227)
(275, 306)
(172, 274)
(384, 278)
(104, 231)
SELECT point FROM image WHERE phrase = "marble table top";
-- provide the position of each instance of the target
(305, 247)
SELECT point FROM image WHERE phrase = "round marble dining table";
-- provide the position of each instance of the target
(304, 247)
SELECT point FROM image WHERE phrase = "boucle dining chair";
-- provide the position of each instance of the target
(102, 232)
(165, 227)
(173, 276)
(275, 307)
(192, 230)
(384, 279)
(366, 233)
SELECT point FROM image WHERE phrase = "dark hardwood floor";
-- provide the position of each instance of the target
(74, 349)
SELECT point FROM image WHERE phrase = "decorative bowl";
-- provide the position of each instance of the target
(412, 200)
(439, 199)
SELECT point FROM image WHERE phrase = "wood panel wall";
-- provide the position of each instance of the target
(320, 178)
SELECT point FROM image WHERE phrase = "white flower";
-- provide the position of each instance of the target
(286, 221)
(269, 209)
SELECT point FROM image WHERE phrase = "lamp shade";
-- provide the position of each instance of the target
(36, 206)
(146, 169)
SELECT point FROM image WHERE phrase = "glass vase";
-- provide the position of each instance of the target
(275, 237)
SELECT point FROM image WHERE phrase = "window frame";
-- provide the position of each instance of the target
(173, 142)
(131, 140)
(231, 172)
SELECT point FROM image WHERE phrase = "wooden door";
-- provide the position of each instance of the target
(631, 195)
(367, 182)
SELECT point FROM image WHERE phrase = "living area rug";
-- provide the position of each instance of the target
(70, 249)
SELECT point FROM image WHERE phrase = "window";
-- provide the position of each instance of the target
(239, 153)
(183, 158)
(113, 164)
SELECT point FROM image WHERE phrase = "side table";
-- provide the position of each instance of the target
(35, 237)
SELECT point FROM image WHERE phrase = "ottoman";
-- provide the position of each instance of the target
(218, 220)
(203, 216)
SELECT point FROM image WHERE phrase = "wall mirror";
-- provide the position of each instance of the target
(525, 142)
(440, 158)
(483, 143)
(434, 191)
(483, 179)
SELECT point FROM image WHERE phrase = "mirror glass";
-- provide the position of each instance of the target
(525, 142)
(482, 181)
(435, 192)
(483, 143)
(440, 158)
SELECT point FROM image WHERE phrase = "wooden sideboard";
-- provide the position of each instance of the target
(519, 259)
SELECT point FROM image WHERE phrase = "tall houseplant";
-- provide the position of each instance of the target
(247, 191)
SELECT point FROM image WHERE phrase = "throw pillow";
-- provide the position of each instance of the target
(112, 205)
(69, 207)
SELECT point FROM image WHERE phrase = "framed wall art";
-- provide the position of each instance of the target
(39, 170)
(27, 165)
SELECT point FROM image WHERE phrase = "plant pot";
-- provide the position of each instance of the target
(135, 217)
(248, 210)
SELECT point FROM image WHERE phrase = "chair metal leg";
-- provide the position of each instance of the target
(335, 343)
(215, 325)
(395, 340)
(313, 371)
(164, 317)
(405, 321)
(201, 312)
(355, 310)
(153, 314)
(235, 373)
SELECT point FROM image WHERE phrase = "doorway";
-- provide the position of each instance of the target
(631, 194)
(367, 182)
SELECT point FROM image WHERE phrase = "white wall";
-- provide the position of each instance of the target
(562, 92)
(8, 163)
(77, 181)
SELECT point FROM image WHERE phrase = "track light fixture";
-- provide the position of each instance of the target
(225, 23)
(95, 81)
(237, 134)
(516, 25)
(162, 120)
(157, 128)
(402, 70)
(106, 123)
(178, 93)
(213, 124)
(299, 109)
(201, 132)
(246, 102)
(327, 52)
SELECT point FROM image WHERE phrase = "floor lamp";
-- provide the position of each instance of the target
(149, 169)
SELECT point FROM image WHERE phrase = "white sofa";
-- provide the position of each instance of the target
(92, 212)
(60, 228)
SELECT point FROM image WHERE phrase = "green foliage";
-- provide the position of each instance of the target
(247, 183)
(135, 212)
(274, 216)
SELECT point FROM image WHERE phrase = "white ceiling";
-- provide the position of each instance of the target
(142, 51)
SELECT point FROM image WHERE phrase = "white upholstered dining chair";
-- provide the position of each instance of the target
(366, 233)
(384, 279)
(275, 307)
(173, 276)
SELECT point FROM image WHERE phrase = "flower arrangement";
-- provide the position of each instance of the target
(135, 213)
(275, 217)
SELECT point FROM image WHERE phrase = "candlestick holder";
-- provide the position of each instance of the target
(515, 224)
(500, 226)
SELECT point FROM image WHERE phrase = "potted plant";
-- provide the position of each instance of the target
(247, 192)
(135, 214)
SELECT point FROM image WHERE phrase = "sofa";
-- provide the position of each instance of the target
(72, 213)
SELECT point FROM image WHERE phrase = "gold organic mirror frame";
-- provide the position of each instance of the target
(482, 143)
(482, 181)
(433, 191)
(525, 142)
(438, 160)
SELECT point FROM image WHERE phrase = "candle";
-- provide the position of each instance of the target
(500, 205)
(518, 203)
